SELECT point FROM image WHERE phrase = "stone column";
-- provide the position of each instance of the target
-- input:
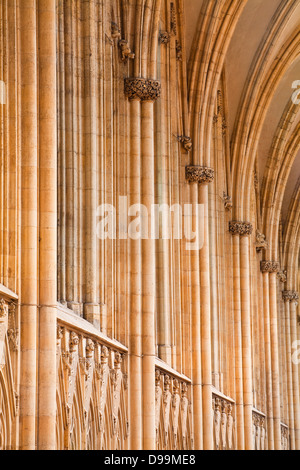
(244, 230)
(272, 268)
(267, 344)
(202, 372)
(295, 368)
(238, 366)
(91, 306)
(29, 233)
(287, 297)
(135, 348)
(147, 91)
(47, 226)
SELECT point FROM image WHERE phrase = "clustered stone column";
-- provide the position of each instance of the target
(29, 221)
(47, 225)
(142, 93)
(202, 370)
(241, 232)
(270, 270)
(291, 299)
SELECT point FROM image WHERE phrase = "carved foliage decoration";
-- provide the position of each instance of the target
(142, 89)
(243, 229)
(199, 174)
(91, 394)
(173, 413)
(269, 266)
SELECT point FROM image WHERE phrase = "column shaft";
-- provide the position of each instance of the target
(275, 360)
(47, 226)
(238, 345)
(135, 349)
(206, 327)
(148, 278)
(246, 340)
(29, 235)
(295, 375)
(267, 343)
(196, 332)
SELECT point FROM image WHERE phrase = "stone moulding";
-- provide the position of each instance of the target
(269, 266)
(199, 174)
(243, 229)
(290, 296)
(142, 89)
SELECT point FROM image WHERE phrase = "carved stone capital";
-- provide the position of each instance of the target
(142, 89)
(288, 295)
(243, 229)
(269, 266)
(199, 174)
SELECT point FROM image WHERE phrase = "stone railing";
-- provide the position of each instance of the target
(285, 445)
(259, 430)
(9, 351)
(224, 421)
(92, 383)
(173, 417)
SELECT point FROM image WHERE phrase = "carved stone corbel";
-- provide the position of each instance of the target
(282, 276)
(261, 242)
(227, 202)
(186, 142)
(126, 52)
(115, 31)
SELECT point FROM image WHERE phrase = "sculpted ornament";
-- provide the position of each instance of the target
(261, 242)
(186, 142)
(282, 276)
(115, 31)
(227, 202)
(240, 228)
(199, 174)
(164, 37)
(178, 51)
(126, 52)
(173, 20)
(142, 89)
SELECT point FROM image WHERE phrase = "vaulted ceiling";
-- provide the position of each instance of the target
(261, 41)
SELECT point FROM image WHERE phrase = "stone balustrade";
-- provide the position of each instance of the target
(224, 421)
(173, 418)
